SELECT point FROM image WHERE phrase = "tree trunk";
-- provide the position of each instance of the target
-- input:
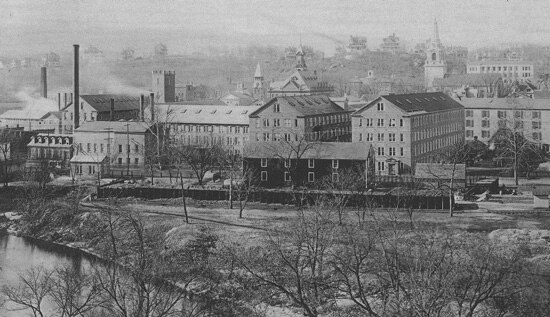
(183, 199)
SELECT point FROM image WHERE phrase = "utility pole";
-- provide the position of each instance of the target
(127, 149)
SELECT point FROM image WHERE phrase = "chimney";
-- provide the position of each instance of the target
(112, 112)
(76, 87)
(152, 106)
(43, 83)
(65, 100)
(142, 108)
(346, 102)
(58, 101)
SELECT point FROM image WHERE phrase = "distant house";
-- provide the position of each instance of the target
(238, 99)
(391, 44)
(93, 55)
(440, 174)
(300, 83)
(98, 107)
(55, 149)
(472, 85)
(540, 196)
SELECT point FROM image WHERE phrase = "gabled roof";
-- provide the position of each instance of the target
(305, 105)
(420, 102)
(113, 126)
(304, 80)
(468, 80)
(244, 99)
(197, 114)
(506, 103)
(102, 103)
(321, 150)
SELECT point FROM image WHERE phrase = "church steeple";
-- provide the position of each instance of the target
(436, 32)
(258, 73)
(300, 58)
(435, 66)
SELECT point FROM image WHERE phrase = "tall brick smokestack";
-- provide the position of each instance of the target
(112, 112)
(142, 108)
(58, 101)
(76, 87)
(152, 106)
(43, 82)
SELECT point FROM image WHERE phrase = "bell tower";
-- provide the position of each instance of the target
(435, 66)
(300, 58)
(258, 89)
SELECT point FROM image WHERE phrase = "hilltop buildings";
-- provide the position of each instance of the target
(510, 70)
(391, 44)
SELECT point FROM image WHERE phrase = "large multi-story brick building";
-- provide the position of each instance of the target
(313, 118)
(510, 71)
(408, 129)
(484, 117)
(206, 125)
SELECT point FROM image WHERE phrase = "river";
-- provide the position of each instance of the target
(20, 254)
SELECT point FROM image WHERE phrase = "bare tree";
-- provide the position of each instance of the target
(32, 290)
(244, 187)
(200, 159)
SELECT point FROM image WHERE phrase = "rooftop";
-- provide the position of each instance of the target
(321, 150)
(506, 103)
(306, 105)
(102, 103)
(420, 102)
(200, 114)
(502, 62)
(113, 126)
(467, 80)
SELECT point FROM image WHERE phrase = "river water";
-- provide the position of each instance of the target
(20, 254)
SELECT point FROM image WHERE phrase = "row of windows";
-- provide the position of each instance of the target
(218, 140)
(435, 118)
(327, 119)
(485, 134)
(437, 131)
(432, 145)
(310, 163)
(391, 151)
(501, 68)
(209, 128)
(287, 178)
(502, 114)
(380, 122)
(276, 122)
(503, 124)
(381, 136)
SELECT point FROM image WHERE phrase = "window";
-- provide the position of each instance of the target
(287, 177)
(136, 160)
(95, 147)
(469, 123)
(295, 122)
(402, 151)
(380, 137)
(263, 176)
(311, 163)
(400, 122)
(360, 136)
(257, 124)
(380, 106)
(360, 122)
(287, 163)
(391, 137)
(266, 122)
(276, 108)
(535, 115)
(335, 177)
(381, 166)
(485, 113)
(392, 122)
(469, 113)
(276, 122)
(311, 177)
(120, 161)
(380, 151)
(136, 148)
(485, 134)
(380, 122)
(263, 162)
(485, 123)
(536, 124)
(370, 136)
(120, 148)
(501, 114)
(88, 147)
(335, 163)
(266, 137)
(401, 137)
(391, 151)
(101, 147)
(369, 122)
(518, 114)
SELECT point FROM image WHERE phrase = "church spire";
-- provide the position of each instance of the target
(258, 73)
(436, 31)
(300, 57)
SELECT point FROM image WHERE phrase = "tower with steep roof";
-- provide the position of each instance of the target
(435, 65)
(300, 58)
(258, 90)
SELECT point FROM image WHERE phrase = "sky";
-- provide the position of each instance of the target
(185, 26)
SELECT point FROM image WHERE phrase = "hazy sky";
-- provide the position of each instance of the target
(37, 26)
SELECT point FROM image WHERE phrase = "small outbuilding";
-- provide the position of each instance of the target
(540, 196)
